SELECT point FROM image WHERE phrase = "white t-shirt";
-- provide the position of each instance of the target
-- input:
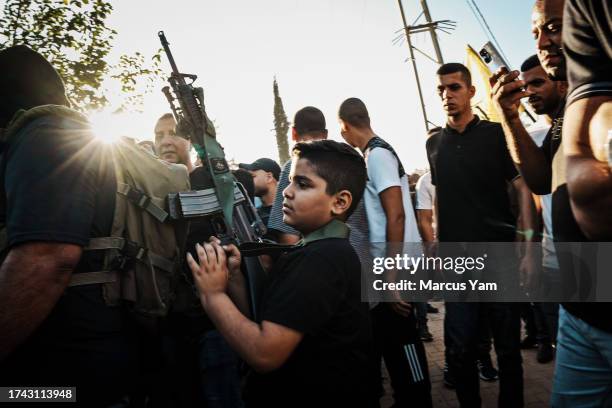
(382, 174)
(425, 193)
(538, 133)
(426, 197)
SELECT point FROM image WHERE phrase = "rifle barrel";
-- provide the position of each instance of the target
(166, 45)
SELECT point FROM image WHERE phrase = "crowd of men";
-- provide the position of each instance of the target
(311, 340)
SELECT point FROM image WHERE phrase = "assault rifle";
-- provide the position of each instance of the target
(225, 208)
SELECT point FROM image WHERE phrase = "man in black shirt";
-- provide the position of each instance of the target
(471, 169)
(312, 345)
(59, 191)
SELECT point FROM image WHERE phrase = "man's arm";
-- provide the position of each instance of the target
(425, 220)
(589, 178)
(532, 254)
(588, 116)
(393, 205)
(527, 209)
(32, 278)
(529, 158)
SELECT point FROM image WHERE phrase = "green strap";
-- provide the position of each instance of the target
(212, 153)
(105, 243)
(131, 250)
(220, 173)
(160, 262)
(333, 229)
(92, 278)
(143, 201)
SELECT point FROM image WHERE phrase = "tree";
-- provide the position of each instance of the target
(74, 37)
(281, 125)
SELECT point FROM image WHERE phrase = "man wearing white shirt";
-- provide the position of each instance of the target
(390, 219)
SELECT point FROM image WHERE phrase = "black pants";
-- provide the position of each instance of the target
(397, 341)
(539, 321)
(462, 334)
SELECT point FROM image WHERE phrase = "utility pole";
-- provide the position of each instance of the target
(432, 32)
(414, 65)
(431, 27)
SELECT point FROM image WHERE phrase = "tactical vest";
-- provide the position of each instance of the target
(144, 250)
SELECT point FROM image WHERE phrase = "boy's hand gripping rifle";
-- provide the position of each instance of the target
(226, 207)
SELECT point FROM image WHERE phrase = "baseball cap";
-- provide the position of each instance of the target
(309, 119)
(264, 164)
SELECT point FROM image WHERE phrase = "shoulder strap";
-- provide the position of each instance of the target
(378, 142)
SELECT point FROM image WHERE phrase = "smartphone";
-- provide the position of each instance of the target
(492, 57)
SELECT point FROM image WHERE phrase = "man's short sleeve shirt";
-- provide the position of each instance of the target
(382, 167)
(587, 41)
(471, 172)
(58, 187)
(425, 192)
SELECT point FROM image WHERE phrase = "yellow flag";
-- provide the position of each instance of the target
(481, 102)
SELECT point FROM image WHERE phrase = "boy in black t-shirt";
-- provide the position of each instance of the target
(312, 345)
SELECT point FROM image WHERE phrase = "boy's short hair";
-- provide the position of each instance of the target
(338, 164)
(452, 67)
(354, 112)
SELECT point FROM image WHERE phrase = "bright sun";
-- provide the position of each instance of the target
(103, 126)
(109, 127)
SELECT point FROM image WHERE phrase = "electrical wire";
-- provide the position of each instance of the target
(485, 26)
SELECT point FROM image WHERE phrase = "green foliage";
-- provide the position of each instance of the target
(136, 78)
(281, 125)
(74, 37)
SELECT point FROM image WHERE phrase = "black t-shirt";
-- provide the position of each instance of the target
(587, 38)
(471, 172)
(587, 43)
(316, 291)
(60, 187)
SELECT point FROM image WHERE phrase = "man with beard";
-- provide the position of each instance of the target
(265, 173)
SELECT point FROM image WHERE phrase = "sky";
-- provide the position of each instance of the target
(320, 51)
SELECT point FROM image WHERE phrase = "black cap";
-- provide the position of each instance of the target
(309, 119)
(27, 80)
(264, 164)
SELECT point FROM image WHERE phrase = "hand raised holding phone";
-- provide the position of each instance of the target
(507, 91)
